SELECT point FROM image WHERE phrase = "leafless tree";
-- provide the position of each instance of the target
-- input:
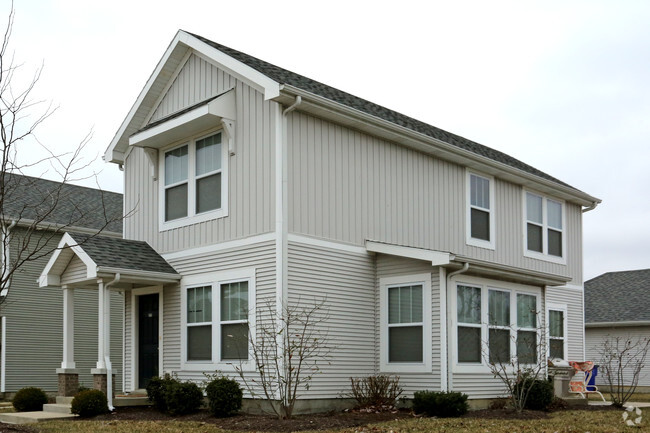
(622, 359)
(288, 350)
(33, 212)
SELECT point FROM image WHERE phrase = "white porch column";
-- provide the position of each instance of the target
(101, 364)
(68, 329)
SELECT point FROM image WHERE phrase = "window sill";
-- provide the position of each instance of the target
(226, 366)
(406, 367)
(488, 245)
(545, 257)
(195, 219)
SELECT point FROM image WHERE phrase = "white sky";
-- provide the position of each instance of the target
(561, 85)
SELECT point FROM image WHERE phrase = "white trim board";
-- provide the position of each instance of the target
(437, 258)
(237, 243)
(322, 243)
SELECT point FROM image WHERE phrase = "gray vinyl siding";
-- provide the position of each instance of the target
(260, 256)
(34, 331)
(347, 186)
(391, 266)
(595, 338)
(345, 281)
(572, 298)
(75, 271)
(251, 177)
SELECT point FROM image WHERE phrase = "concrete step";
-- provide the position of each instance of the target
(56, 408)
(131, 400)
(63, 400)
(32, 417)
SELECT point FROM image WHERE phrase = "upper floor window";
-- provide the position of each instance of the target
(194, 186)
(480, 211)
(544, 226)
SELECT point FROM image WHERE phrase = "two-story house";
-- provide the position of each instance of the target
(259, 185)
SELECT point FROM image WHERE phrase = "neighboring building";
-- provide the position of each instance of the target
(617, 304)
(262, 186)
(32, 331)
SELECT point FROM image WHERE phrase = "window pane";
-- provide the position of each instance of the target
(556, 323)
(405, 304)
(533, 208)
(208, 193)
(554, 210)
(405, 344)
(499, 341)
(556, 349)
(527, 347)
(534, 237)
(555, 243)
(234, 301)
(499, 308)
(199, 343)
(480, 224)
(234, 341)
(469, 344)
(469, 304)
(176, 165)
(199, 304)
(208, 154)
(480, 191)
(526, 311)
(176, 202)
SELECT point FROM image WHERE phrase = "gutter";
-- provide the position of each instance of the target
(617, 324)
(45, 225)
(591, 207)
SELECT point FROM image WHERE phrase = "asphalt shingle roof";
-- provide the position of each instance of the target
(284, 76)
(31, 198)
(122, 254)
(618, 297)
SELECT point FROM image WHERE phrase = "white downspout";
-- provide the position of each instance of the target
(591, 207)
(107, 337)
(450, 379)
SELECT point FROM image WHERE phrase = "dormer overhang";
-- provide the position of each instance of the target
(179, 49)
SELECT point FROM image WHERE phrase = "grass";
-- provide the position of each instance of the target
(561, 422)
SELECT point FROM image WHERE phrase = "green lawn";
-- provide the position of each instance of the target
(561, 422)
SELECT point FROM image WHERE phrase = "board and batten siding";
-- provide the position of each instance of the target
(572, 298)
(251, 176)
(594, 341)
(392, 266)
(348, 186)
(260, 256)
(345, 282)
(34, 331)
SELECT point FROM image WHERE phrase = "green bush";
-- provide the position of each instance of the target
(540, 395)
(224, 396)
(156, 391)
(89, 403)
(182, 397)
(29, 400)
(440, 404)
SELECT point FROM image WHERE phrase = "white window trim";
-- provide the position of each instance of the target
(405, 367)
(486, 285)
(564, 308)
(469, 240)
(192, 217)
(544, 254)
(215, 279)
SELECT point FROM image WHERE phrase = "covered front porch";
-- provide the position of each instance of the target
(110, 265)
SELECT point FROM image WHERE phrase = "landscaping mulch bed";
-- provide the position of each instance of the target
(263, 423)
(16, 428)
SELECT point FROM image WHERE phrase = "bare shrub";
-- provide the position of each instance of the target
(379, 391)
(621, 362)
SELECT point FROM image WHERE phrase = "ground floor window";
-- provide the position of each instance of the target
(557, 331)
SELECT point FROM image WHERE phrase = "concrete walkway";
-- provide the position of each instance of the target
(58, 410)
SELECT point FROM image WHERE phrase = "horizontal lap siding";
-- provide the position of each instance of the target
(575, 322)
(347, 186)
(346, 282)
(595, 338)
(251, 178)
(391, 266)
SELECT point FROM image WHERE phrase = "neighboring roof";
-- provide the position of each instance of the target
(284, 76)
(30, 198)
(115, 253)
(618, 297)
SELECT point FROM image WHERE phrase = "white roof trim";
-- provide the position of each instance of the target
(437, 258)
(617, 324)
(203, 117)
(66, 246)
(270, 88)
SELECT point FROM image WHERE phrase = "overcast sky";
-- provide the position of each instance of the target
(563, 86)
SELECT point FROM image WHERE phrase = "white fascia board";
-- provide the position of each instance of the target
(443, 150)
(269, 87)
(67, 243)
(617, 324)
(437, 258)
(132, 275)
(526, 276)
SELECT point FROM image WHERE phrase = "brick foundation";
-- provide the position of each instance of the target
(99, 382)
(68, 384)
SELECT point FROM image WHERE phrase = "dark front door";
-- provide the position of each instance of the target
(147, 338)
